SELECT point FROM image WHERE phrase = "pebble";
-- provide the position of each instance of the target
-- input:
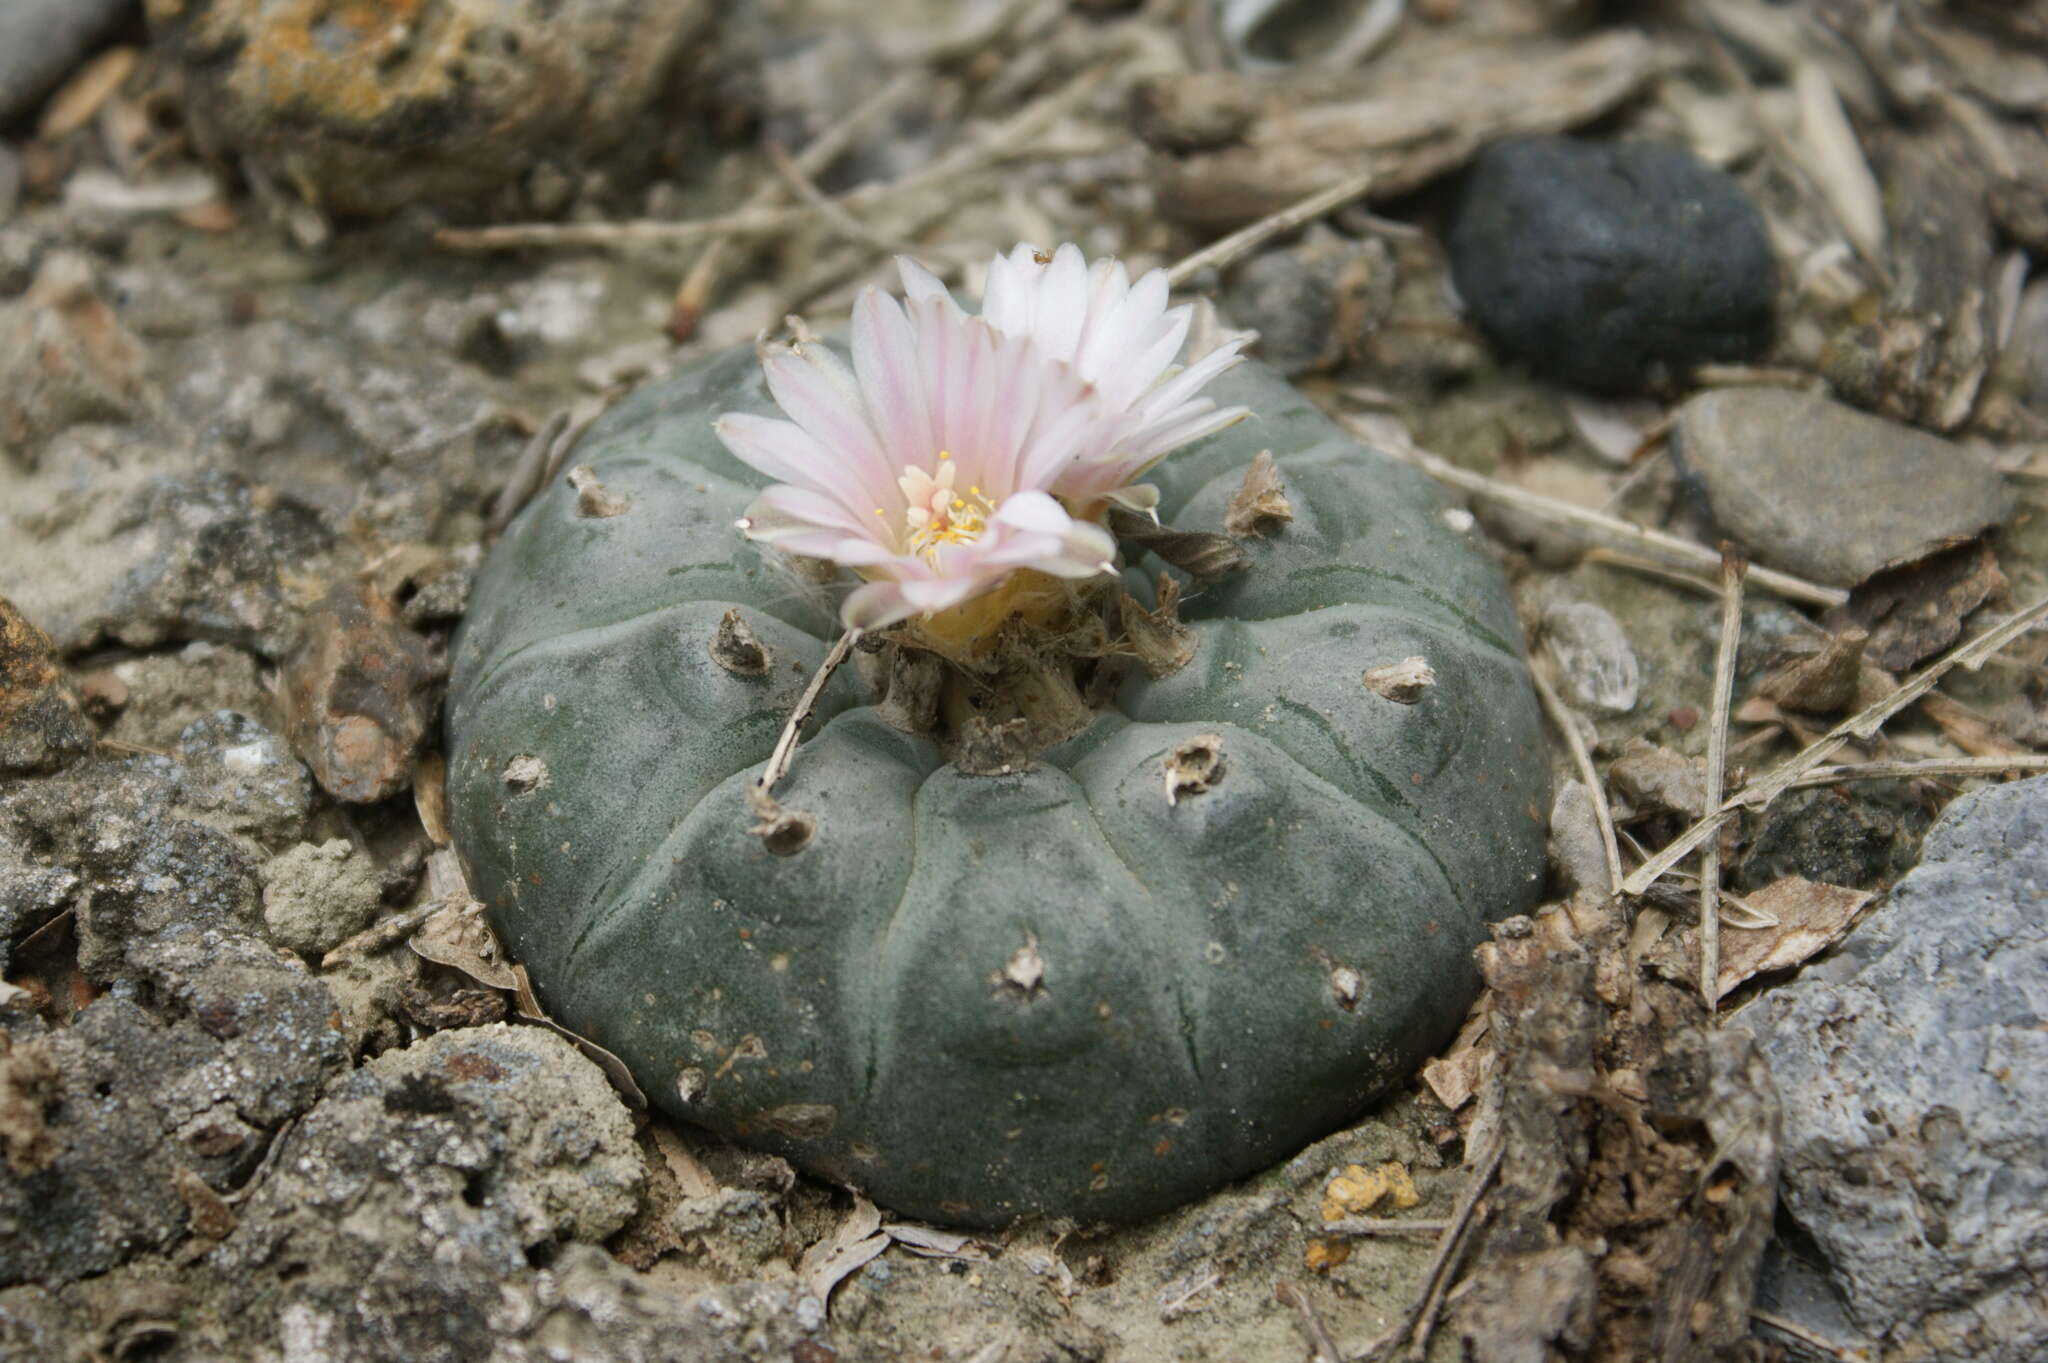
(1311, 302)
(1593, 651)
(1913, 1066)
(41, 40)
(41, 725)
(1612, 266)
(1827, 492)
(368, 109)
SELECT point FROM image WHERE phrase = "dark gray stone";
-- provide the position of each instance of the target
(1826, 491)
(1610, 265)
(1864, 838)
(1914, 1069)
(1310, 302)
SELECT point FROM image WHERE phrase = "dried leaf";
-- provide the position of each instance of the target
(1202, 554)
(430, 795)
(1918, 609)
(692, 1178)
(932, 1243)
(458, 937)
(1819, 680)
(1260, 506)
(1812, 916)
(207, 1211)
(80, 97)
(858, 1239)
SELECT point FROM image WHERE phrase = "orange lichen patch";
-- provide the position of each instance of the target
(355, 61)
(1357, 1189)
(1324, 1255)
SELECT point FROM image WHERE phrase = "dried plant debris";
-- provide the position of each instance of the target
(593, 500)
(1403, 683)
(1201, 554)
(358, 695)
(737, 649)
(1639, 1167)
(1782, 925)
(1817, 675)
(1194, 767)
(1259, 507)
(1161, 642)
(1405, 122)
(1913, 612)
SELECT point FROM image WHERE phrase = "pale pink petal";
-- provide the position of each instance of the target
(886, 360)
(784, 451)
(812, 398)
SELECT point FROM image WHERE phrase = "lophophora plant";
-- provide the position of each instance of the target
(1180, 754)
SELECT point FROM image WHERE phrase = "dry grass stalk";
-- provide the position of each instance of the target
(1567, 725)
(1221, 254)
(1732, 569)
(1864, 724)
(1916, 770)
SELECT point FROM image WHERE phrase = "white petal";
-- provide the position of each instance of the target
(920, 284)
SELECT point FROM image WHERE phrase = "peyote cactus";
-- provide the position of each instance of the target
(1234, 909)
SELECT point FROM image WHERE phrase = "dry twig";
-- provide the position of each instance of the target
(1374, 1225)
(1567, 726)
(1639, 537)
(1864, 724)
(1733, 567)
(1914, 770)
(1449, 1247)
(1222, 253)
(761, 794)
(1320, 1343)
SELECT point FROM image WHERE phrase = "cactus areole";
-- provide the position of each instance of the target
(1075, 908)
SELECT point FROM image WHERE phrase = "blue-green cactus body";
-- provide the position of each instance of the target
(1056, 990)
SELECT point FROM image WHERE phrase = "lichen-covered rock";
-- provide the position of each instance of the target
(1914, 1069)
(431, 1166)
(368, 108)
(1234, 910)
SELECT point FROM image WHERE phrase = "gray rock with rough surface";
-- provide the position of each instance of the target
(41, 40)
(1828, 492)
(1914, 1069)
(317, 895)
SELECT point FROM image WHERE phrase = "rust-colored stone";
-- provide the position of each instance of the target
(358, 695)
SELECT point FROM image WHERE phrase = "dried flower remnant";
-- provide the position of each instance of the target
(960, 454)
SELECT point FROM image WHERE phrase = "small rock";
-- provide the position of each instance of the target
(1828, 492)
(1593, 651)
(358, 696)
(42, 40)
(1610, 265)
(1656, 780)
(373, 108)
(242, 778)
(65, 358)
(1863, 839)
(315, 896)
(1578, 854)
(41, 725)
(1913, 1066)
(1311, 302)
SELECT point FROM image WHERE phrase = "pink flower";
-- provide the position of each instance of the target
(958, 450)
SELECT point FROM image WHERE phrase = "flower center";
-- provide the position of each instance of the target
(937, 512)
